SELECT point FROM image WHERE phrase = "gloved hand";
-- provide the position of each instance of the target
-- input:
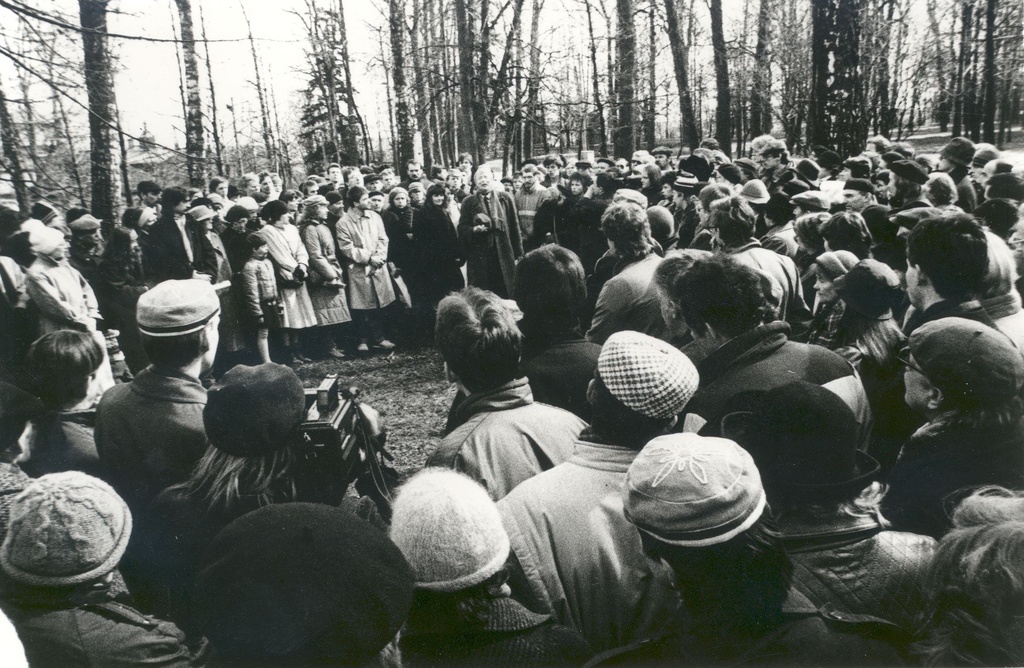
(299, 274)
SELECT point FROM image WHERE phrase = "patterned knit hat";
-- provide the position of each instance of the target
(693, 491)
(646, 374)
(449, 530)
(175, 308)
(65, 529)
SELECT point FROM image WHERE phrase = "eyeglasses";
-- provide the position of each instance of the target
(903, 357)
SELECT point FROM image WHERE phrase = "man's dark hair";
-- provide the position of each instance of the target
(175, 352)
(353, 195)
(216, 182)
(721, 292)
(60, 365)
(147, 187)
(584, 179)
(625, 225)
(170, 198)
(735, 220)
(478, 339)
(952, 252)
(620, 424)
(550, 290)
(1005, 186)
(998, 215)
(273, 210)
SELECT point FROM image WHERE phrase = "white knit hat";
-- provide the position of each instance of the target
(449, 530)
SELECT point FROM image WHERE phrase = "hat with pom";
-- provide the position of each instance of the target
(65, 529)
(646, 374)
(449, 530)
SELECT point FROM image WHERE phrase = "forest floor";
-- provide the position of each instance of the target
(409, 389)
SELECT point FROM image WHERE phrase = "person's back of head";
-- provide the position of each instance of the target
(974, 612)
(550, 288)
(178, 322)
(722, 295)
(66, 529)
(478, 339)
(1005, 186)
(641, 386)
(952, 252)
(330, 588)
(989, 505)
(999, 215)
(61, 365)
(699, 504)
(847, 231)
(1001, 278)
(735, 219)
(625, 225)
(711, 193)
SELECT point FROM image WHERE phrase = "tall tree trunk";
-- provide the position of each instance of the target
(624, 134)
(218, 148)
(959, 93)
(105, 154)
(602, 129)
(837, 95)
(680, 60)
(350, 93)
(422, 114)
(403, 115)
(268, 135)
(760, 121)
(651, 107)
(533, 84)
(468, 92)
(942, 106)
(991, 93)
(12, 155)
(194, 140)
(723, 120)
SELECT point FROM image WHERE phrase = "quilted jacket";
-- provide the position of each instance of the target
(857, 566)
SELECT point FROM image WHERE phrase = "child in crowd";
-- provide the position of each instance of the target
(259, 295)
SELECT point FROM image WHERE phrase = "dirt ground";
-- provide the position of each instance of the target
(408, 387)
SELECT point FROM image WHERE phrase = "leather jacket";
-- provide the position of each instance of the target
(858, 566)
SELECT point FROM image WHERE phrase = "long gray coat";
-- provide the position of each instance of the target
(361, 237)
(505, 234)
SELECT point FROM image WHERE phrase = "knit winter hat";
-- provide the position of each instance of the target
(835, 263)
(646, 374)
(253, 410)
(200, 213)
(43, 211)
(984, 154)
(65, 529)
(693, 491)
(959, 150)
(315, 200)
(685, 183)
(630, 195)
(449, 530)
(871, 288)
(808, 169)
(909, 170)
(45, 240)
(174, 308)
(696, 165)
(829, 160)
(755, 191)
(301, 584)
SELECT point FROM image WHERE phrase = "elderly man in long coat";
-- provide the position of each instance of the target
(490, 235)
(364, 243)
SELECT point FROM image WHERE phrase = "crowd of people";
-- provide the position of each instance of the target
(764, 410)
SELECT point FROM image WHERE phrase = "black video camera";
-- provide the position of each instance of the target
(342, 441)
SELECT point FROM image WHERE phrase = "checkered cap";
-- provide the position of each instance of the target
(647, 374)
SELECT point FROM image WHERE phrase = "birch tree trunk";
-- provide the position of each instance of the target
(194, 140)
(988, 133)
(105, 154)
(12, 156)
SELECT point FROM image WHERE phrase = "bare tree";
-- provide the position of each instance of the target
(723, 110)
(99, 80)
(680, 61)
(624, 134)
(403, 115)
(12, 154)
(194, 138)
(837, 99)
(760, 120)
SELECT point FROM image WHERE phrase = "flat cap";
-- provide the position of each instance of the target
(646, 374)
(176, 308)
